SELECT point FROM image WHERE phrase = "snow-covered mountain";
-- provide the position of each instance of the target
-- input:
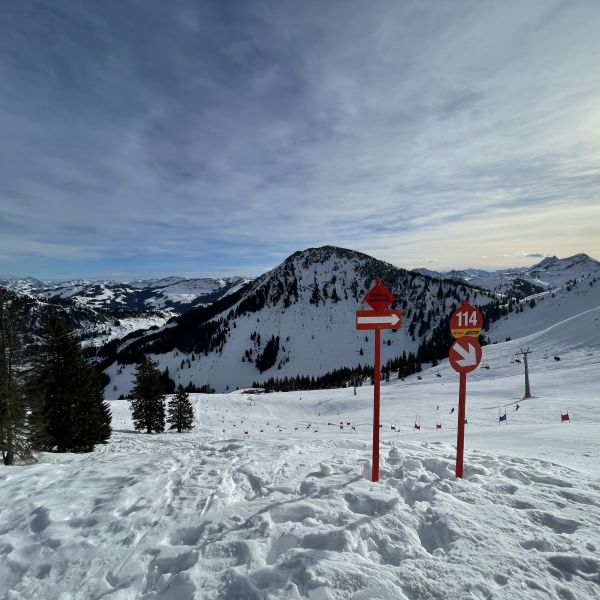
(173, 294)
(103, 311)
(549, 273)
(297, 319)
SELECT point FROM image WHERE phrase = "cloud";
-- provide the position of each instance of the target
(214, 135)
(522, 254)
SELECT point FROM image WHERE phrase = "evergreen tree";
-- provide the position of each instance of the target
(15, 430)
(181, 413)
(71, 415)
(148, 403)
(167, 384)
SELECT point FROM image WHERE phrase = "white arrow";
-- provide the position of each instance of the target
(392, 319)
(469, 357)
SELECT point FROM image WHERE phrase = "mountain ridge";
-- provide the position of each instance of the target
(297, 318)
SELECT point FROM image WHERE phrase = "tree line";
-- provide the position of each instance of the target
(51, 398)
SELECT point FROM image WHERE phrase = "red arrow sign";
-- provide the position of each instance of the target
(379, 297)
(385, 319)
(465, 354)
(466, 321)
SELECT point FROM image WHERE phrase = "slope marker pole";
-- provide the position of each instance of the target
(376, 381)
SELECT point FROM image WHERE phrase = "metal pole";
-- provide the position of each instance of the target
(527, 388)
(376, 379)
(460, 436)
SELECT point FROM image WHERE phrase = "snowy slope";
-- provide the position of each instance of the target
(309, 303)
(549, 308)
(288, 513)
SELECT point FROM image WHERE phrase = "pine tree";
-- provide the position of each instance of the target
(148, 403)
(15, 426)
(181, 413)
(71, 414)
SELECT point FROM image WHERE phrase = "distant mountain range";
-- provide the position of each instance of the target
(172, 294)
(298, 318)
(524, 281)
(102, 311)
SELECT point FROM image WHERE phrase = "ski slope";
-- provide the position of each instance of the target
(290, 513)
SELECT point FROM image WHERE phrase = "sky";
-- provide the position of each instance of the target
(149, 138)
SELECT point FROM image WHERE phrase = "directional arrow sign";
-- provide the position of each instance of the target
(370, 319)
(465, 354)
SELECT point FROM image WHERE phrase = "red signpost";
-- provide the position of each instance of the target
(378, 298)
(465, 356)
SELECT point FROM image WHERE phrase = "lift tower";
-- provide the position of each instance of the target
(524, 352)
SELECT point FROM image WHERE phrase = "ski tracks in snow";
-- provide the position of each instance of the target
(188, 518)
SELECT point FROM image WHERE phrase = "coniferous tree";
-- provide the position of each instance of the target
(147, 403)
(71, 414)
(15, 426)
(181, 413)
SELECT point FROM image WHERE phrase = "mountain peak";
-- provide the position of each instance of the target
(322, 254)
(577, 260)
(545, 262)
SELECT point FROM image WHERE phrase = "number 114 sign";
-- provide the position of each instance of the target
(466, 321)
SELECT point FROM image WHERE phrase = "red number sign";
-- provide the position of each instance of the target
(466, 321)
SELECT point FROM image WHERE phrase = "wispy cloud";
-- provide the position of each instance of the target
(192, 137)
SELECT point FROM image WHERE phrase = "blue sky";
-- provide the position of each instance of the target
(145, 138)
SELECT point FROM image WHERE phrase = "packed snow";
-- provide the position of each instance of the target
(269, 498)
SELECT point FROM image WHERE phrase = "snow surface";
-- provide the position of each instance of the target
(289, 513)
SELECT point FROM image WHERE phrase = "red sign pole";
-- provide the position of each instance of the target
(378, 298)
(460, 436)
(376, 380)
(465, 355)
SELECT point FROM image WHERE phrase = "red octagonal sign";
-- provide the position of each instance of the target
(379, 297)
(465, 354)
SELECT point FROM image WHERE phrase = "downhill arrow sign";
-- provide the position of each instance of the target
(387, 319)
(469, 357)
(465, 354)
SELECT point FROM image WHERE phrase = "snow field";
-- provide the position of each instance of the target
(290, 513)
